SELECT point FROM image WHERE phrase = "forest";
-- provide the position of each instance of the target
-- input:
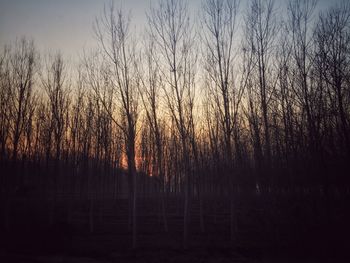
(227, 128)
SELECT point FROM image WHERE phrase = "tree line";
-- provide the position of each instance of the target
(237, 98)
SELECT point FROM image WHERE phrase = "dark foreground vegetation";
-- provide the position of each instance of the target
(274, 226)
(227, 140)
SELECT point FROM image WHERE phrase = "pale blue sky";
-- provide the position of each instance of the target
(66, 25)
(57, 24)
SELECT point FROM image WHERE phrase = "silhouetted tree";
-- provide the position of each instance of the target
(113, 33)
(171, 28)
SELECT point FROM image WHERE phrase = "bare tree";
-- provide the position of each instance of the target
(300, 18)
(17, 80)
(261, 29)
(55, 85)
(150, 90)
(171, 28)
(5, 92)
(112, 31)
(332, 39)
(219, 37)
(21, 88)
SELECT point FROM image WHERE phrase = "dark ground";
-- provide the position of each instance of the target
(270, 228)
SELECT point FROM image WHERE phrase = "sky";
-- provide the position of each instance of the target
(64, 25)
(67, 25)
